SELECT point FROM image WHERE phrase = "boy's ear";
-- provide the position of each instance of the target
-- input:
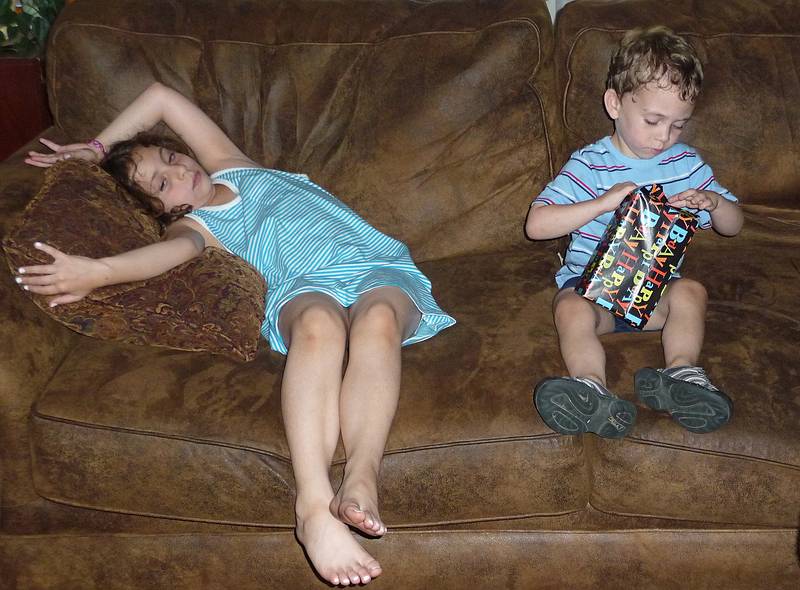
(612, 103)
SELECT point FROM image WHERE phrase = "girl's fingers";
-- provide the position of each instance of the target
(38, 164)
(66, 298)
(37, 269)
(42, 289)
(51, 144)
(55, 253)
(38, 280)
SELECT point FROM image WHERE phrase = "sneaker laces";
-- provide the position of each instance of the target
(595, 385)
(694, 375)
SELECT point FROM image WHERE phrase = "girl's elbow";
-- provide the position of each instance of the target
(155, 87)
(198, 243)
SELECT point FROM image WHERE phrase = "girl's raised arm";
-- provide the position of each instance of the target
(213, 149)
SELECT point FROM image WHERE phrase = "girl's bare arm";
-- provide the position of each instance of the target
(70, 278)
(213, 149)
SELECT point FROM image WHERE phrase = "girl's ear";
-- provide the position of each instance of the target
(612, 103)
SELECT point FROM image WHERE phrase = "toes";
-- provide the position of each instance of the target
(375, 525)
(354, 514)
(362, 519)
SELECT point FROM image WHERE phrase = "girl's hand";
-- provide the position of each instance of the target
(69, 278)
(62, 152)
(615, 195)
(695, 199)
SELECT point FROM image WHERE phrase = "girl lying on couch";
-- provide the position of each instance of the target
(337, 286)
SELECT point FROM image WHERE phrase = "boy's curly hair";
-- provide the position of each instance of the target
(121, 164)
(652, 55)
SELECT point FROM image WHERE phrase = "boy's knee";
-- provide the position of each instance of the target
(570, 307)
(318, 324)
(688, 291)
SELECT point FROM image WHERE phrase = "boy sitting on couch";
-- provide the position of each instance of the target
(653, 81)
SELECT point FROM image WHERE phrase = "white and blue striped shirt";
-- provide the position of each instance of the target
(594, 169)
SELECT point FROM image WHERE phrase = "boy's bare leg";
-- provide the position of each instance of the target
(315, 329)
(580, 403)
(579, 323)
(683, 389)
(379, 321)
(681, 315)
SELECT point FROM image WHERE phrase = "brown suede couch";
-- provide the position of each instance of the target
(129, 466)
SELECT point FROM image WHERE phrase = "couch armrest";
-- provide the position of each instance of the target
(33, 347)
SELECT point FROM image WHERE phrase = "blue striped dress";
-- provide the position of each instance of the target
(303, 239)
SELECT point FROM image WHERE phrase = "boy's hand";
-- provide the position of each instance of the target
(695, 199)
(69, 278)
(82, 151)
(615, 195)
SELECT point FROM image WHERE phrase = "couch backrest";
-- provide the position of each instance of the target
(428, 118)
(747, 120)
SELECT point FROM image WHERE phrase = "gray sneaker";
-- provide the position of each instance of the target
(576, 405)
(687, 394)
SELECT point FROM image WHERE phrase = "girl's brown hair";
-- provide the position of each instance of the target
(121, 164)
(655, 54)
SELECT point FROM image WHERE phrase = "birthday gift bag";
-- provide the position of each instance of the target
(641, 249)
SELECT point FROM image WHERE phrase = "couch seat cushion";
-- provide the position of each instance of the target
(748, 472)
(193, 436)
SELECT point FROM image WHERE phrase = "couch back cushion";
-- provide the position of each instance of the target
(747, 120)
(429, 119)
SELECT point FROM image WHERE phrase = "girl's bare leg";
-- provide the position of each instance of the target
(315, 329)
(379, 321)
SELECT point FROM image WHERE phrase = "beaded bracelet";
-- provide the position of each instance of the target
(97, 144)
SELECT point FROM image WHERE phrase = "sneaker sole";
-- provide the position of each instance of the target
(692, 406)
(570, 407)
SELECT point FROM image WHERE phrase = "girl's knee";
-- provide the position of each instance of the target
(318, 324)
(377, 318)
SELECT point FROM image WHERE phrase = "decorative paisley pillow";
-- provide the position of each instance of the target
(213, 303)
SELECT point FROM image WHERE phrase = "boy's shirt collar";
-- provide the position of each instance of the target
(641, 163)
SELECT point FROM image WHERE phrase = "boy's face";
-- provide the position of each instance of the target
(648, 120)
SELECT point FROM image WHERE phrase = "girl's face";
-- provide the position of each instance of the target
(174, 178)
(648, 120)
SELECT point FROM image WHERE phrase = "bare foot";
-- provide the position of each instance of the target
(355, 504)
(333, 551)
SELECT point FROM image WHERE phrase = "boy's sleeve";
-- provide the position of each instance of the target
(705, 180)
(572, 184)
